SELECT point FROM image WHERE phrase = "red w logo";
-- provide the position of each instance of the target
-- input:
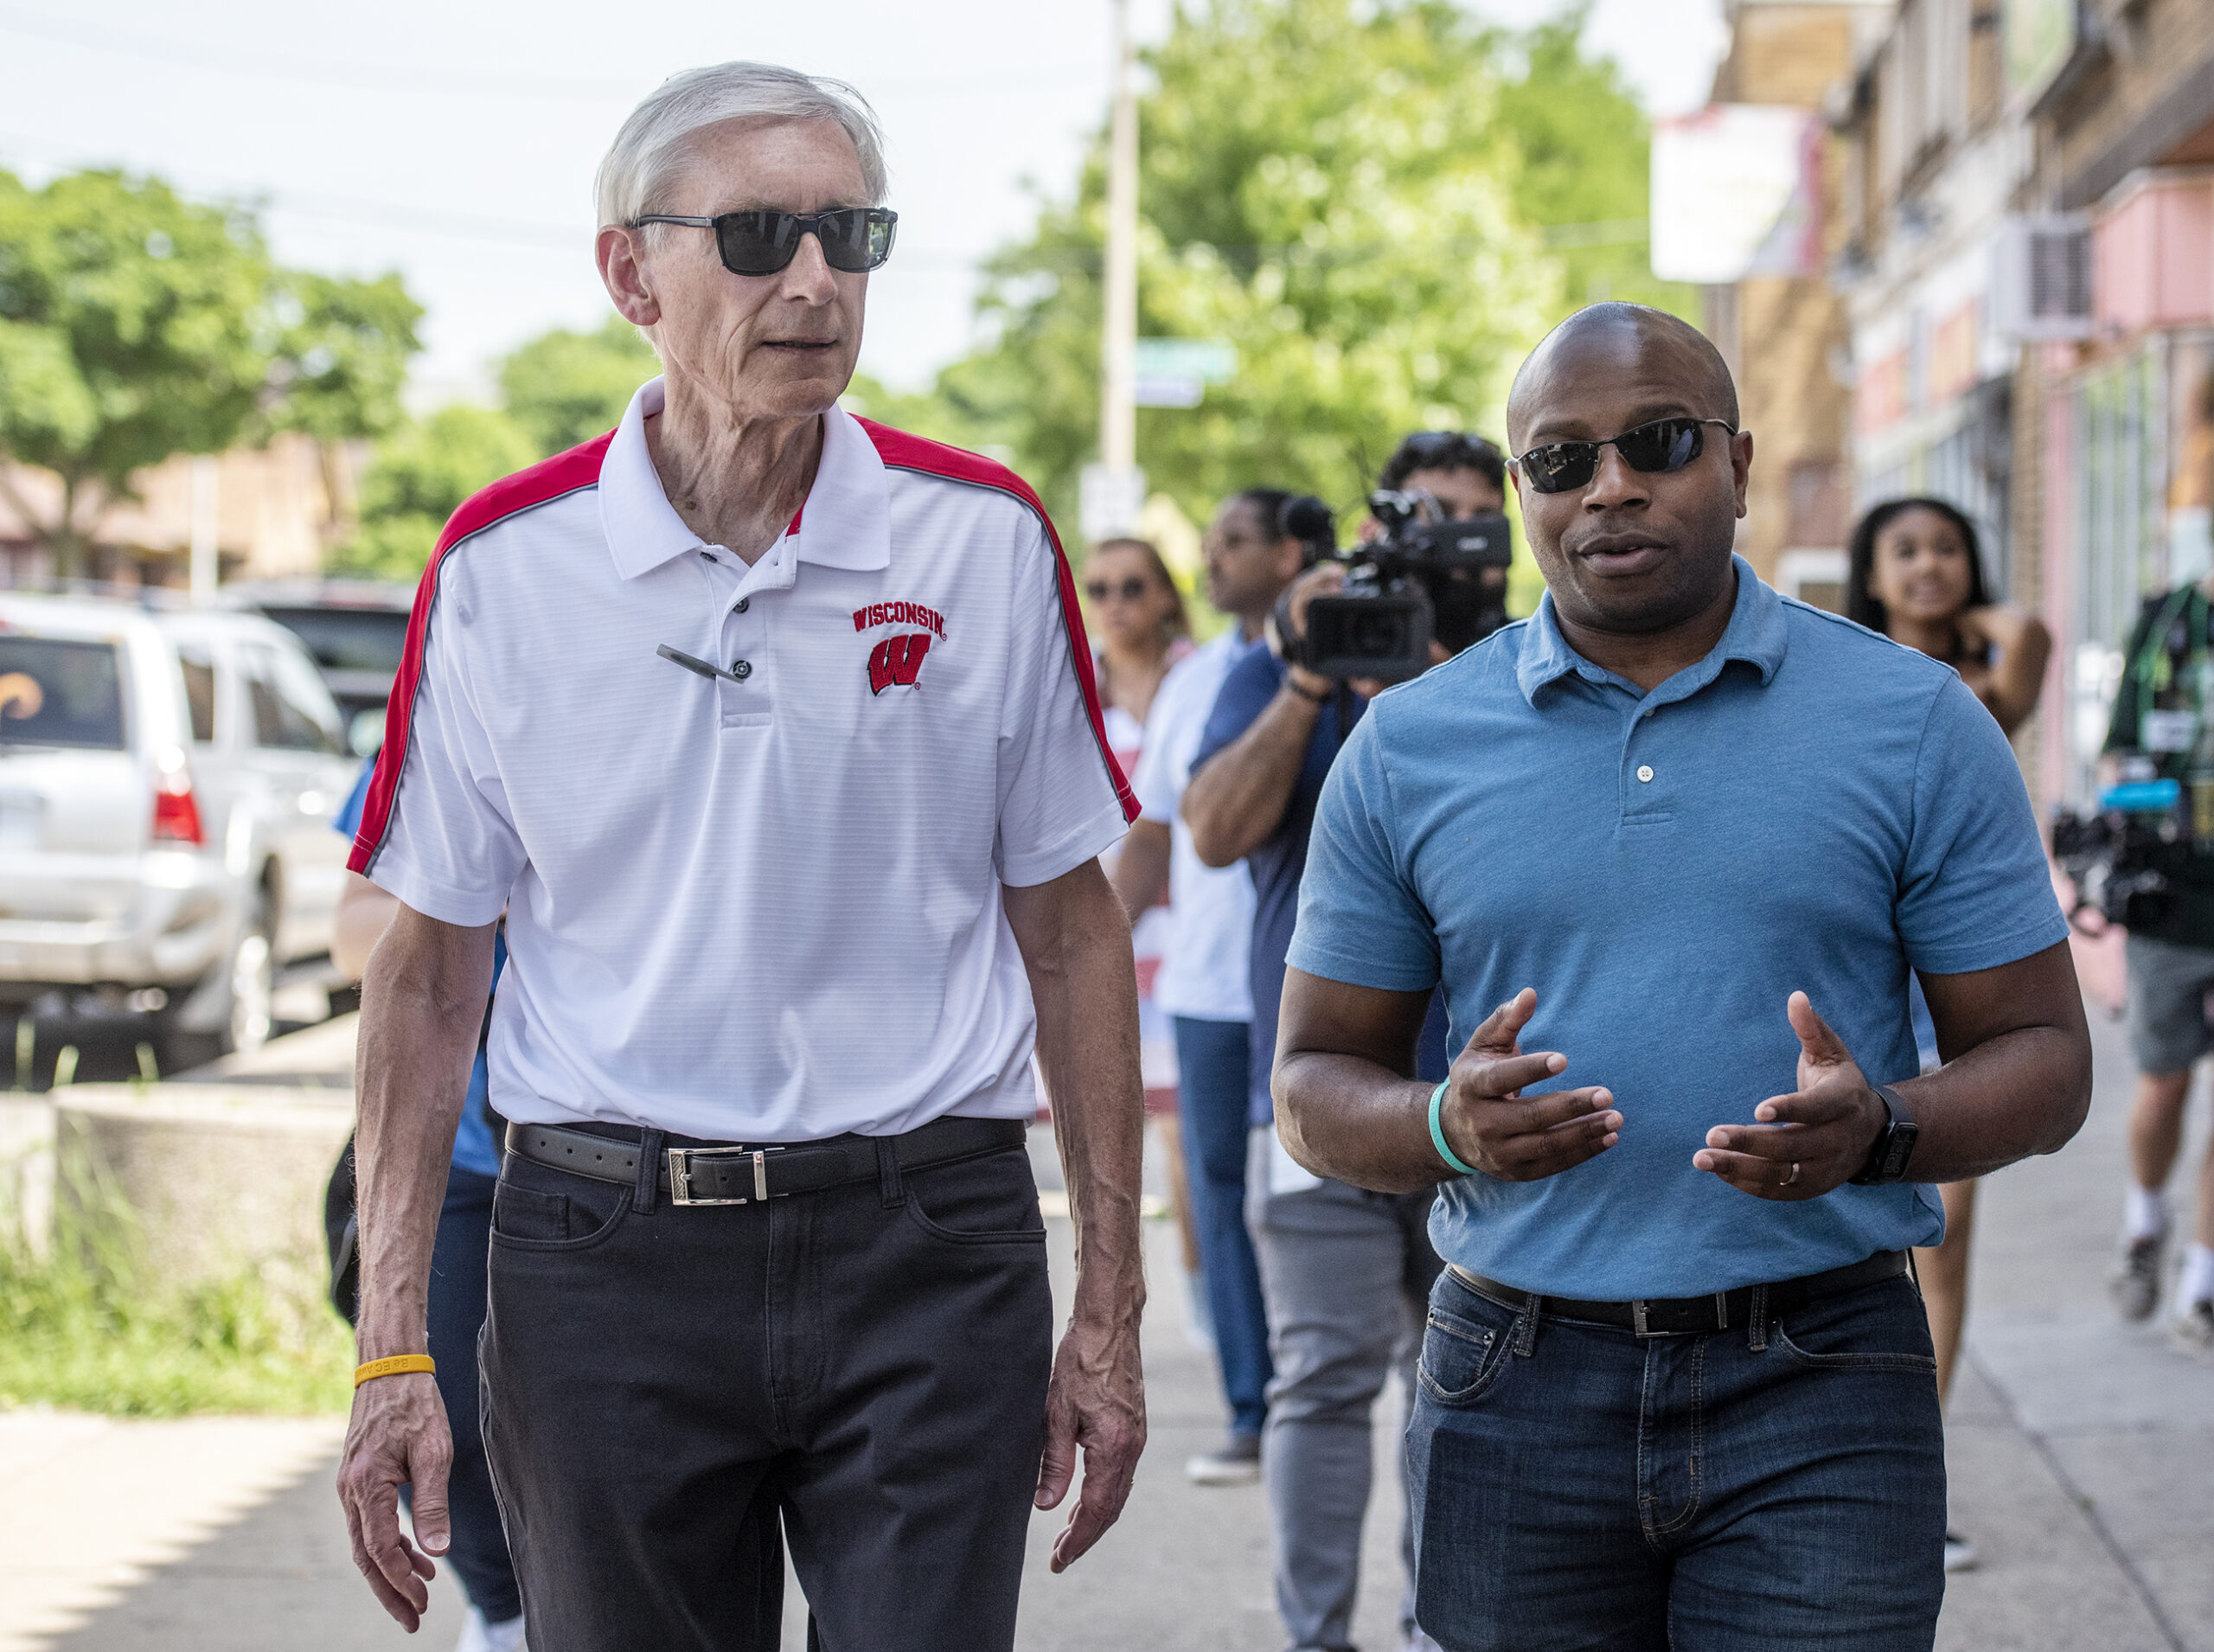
(896, 660)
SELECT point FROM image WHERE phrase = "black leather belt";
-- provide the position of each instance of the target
(738, 1175)
(1693, 1315)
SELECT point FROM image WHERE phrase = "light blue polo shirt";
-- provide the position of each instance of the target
(1809, 807)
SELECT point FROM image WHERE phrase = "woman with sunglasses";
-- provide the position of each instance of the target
(1917, 575)
(1139, 630)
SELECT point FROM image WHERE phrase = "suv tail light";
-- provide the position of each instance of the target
(177, 812)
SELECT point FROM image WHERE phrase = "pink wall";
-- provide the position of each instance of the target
(2153, 257)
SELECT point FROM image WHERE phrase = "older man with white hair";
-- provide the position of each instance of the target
(773, 734)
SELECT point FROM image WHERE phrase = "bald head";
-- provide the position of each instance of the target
(1634, 339)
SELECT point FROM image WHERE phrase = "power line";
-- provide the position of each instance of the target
(471, 83)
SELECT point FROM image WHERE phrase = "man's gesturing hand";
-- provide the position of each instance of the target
(1809, 1142)
(1490, 1124)
(1095, 1402)
(398, 1436)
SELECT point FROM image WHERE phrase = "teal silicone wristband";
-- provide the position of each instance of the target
(1437, 1131)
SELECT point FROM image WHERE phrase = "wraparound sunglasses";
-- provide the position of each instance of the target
(1664, 446)
(760, 241)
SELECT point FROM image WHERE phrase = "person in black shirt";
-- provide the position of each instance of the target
(2163, 726)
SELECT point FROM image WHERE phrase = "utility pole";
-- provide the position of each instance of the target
(203, 565)
(1115, 489)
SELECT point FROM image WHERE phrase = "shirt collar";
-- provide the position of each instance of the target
(846, 522)
(1757, 634)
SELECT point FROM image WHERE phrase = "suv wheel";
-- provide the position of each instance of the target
(250, 978)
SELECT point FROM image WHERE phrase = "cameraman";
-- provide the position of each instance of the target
(1345, 1273)
(2164, 725)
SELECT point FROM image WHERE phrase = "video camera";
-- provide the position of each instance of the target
(2113, 853)
(1421, 579)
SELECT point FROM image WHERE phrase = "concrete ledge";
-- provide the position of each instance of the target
(26, 1172)
(213, 1177)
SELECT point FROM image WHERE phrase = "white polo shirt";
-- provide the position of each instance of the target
(764, 910)
(1207, 974)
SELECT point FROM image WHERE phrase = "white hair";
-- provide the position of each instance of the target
(653, 151)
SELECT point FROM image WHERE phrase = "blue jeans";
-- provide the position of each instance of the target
(479, 1551)
(1778, 1486)
(1212, 1059)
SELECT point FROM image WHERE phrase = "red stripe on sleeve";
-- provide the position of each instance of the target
(904, 452)
(542, 482)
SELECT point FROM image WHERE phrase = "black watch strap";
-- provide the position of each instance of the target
(1894, 1143)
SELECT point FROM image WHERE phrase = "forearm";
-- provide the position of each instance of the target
(2017, 679)
(1355, 1120)
(365, 911)
(1083, 985)
(2022, 1093)
(421, 1007)
(1235, 800)
(1140, 874)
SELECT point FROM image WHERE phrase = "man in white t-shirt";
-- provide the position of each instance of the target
(774, 734)
(1205, 982)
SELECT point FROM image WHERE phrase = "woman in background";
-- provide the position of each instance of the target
(1918, 577)
(1139, 629)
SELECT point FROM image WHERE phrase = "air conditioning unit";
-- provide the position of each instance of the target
(2041, 278)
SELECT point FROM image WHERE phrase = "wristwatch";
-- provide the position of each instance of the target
(1894, 1143)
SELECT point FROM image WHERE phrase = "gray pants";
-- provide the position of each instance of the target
(1346, 1275)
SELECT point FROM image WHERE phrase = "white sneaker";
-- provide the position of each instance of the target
(477, 1636)
(2193, 1330)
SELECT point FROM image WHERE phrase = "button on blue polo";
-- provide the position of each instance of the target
(1820, 810)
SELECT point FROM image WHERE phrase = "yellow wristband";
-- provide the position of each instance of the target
(397, 1364)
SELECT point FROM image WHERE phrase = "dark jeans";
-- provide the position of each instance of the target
(1213, 1058)
(863, 1367)
(479, 1551)
(1778, 1486)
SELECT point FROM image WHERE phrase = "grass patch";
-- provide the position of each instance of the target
(84, 1325)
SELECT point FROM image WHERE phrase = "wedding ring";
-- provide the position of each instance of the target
(1792, 1177)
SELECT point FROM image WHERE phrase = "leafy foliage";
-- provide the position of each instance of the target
(135, 325)
(564, 387)
(420, 476)
(1358, 197)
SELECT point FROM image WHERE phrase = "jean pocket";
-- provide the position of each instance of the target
(1884, 1327)
(543, 1218)
(1461, 1360)
(991, 1199)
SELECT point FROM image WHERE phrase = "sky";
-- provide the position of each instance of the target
(436, 137)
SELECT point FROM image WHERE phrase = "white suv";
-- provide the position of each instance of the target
(167, 784)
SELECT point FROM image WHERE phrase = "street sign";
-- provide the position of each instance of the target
(1110, 501)
(1175, 372)
(1736, 192)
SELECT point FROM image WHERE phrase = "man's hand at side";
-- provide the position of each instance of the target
(398, 1436)
(422, 1002)
(1075, 940)
(1491, 1124)
(1825, 1129)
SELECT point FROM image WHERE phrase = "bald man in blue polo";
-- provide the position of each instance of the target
(1674, 841)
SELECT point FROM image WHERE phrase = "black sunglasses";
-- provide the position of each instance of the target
(1130, 591)
(1664, 446)
(762, 241)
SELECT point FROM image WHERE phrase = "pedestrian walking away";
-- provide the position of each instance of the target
(1344, 1271)
(1916, 574)
(1205, 982)
(2163, 730)
(774, 734)
(1677, 1388)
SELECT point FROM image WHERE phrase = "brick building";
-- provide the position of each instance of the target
(1786, 338)
(2028, 262)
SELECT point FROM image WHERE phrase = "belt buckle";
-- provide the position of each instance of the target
(680, 1173)
(1638, 1322)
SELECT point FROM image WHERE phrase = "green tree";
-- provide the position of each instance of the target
(1381, 205)
(1584, 146)
(564, 387)
(420, 476)
(135, 325)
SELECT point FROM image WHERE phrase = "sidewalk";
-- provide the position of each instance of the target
(2083, 1456)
